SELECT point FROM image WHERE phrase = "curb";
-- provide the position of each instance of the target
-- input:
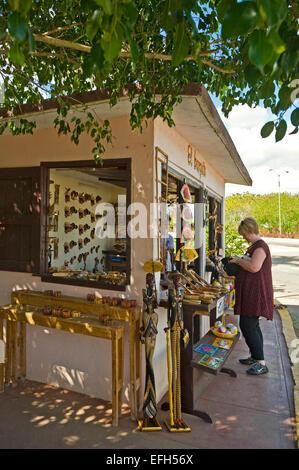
(290, 335)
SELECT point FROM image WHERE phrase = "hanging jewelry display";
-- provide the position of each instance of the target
(84, 259)
(67, 195)
(56, 245)
(53, 222)
(96, 264)
(56, 193)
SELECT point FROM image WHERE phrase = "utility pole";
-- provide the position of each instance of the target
(279, 211)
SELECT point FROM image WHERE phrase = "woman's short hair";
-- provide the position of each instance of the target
(249, 225)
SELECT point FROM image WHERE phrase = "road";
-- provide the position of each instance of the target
(285, 273)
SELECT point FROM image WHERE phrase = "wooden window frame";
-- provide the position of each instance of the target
(45, 177)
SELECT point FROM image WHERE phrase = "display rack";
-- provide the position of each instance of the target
(17, 316)
(130, 315)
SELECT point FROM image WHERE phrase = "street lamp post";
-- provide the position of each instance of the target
(279, 211)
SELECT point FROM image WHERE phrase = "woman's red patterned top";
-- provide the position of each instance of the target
(254, 291)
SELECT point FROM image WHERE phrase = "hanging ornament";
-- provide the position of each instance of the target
(188, 254)
(187, 214)
(187, 234)
(185, 193)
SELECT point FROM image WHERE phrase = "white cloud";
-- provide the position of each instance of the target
(259, 155)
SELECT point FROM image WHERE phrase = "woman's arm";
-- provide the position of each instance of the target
(253, 264)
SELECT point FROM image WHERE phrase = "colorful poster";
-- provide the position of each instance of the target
(206, 349)
(226, 301)
(232, 298)
(222, 343)
(210, 361)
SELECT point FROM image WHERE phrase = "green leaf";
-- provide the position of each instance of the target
(17, 26)
(134, 49)
(222, 7)
(281, 130)
(294, 131)
(239, 20)
(22, 6)
(131, 15)
(276, 41)
(31, 41)
(284, 98)
(106, 4)
(93, 24)
(252, 74)
(268, 89)
(260, 49)
(16, 54)
(267, 129)
(15, 4)
(275, 10)
(111, 47)
(181, 44)
(295, 117)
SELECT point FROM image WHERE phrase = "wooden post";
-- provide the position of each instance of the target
(120, 370)
(22, 350)
(133, 391)
(14, 352)
(115, 375)
(1, 363)
(138, 363)
(8, 353)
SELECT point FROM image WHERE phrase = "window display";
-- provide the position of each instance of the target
(86, 225)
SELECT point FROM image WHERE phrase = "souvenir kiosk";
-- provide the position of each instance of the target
(53, 198)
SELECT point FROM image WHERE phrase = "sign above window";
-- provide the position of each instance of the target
(195, 162)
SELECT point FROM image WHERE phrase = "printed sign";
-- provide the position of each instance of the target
(220, 307)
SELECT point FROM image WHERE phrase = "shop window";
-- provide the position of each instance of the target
(214, 228)
(20, 219)
(181, 220)
(85, 219)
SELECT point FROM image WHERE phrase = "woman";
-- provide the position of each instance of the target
(254, 294)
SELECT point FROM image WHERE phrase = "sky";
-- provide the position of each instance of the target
(260, 155)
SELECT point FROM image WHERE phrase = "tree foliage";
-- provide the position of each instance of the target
(242, 51)
(265, 209)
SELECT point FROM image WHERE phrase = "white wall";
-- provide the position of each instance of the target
(77, 362)
(83, 363)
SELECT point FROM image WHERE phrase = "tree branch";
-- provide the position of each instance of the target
(61, 28)
(149, 55)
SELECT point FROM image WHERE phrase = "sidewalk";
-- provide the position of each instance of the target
(247, 412)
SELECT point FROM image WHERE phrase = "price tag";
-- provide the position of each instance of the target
(220, 307)
(2, 352)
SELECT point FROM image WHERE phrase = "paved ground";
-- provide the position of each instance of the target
(285, 271)
(247, 412)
